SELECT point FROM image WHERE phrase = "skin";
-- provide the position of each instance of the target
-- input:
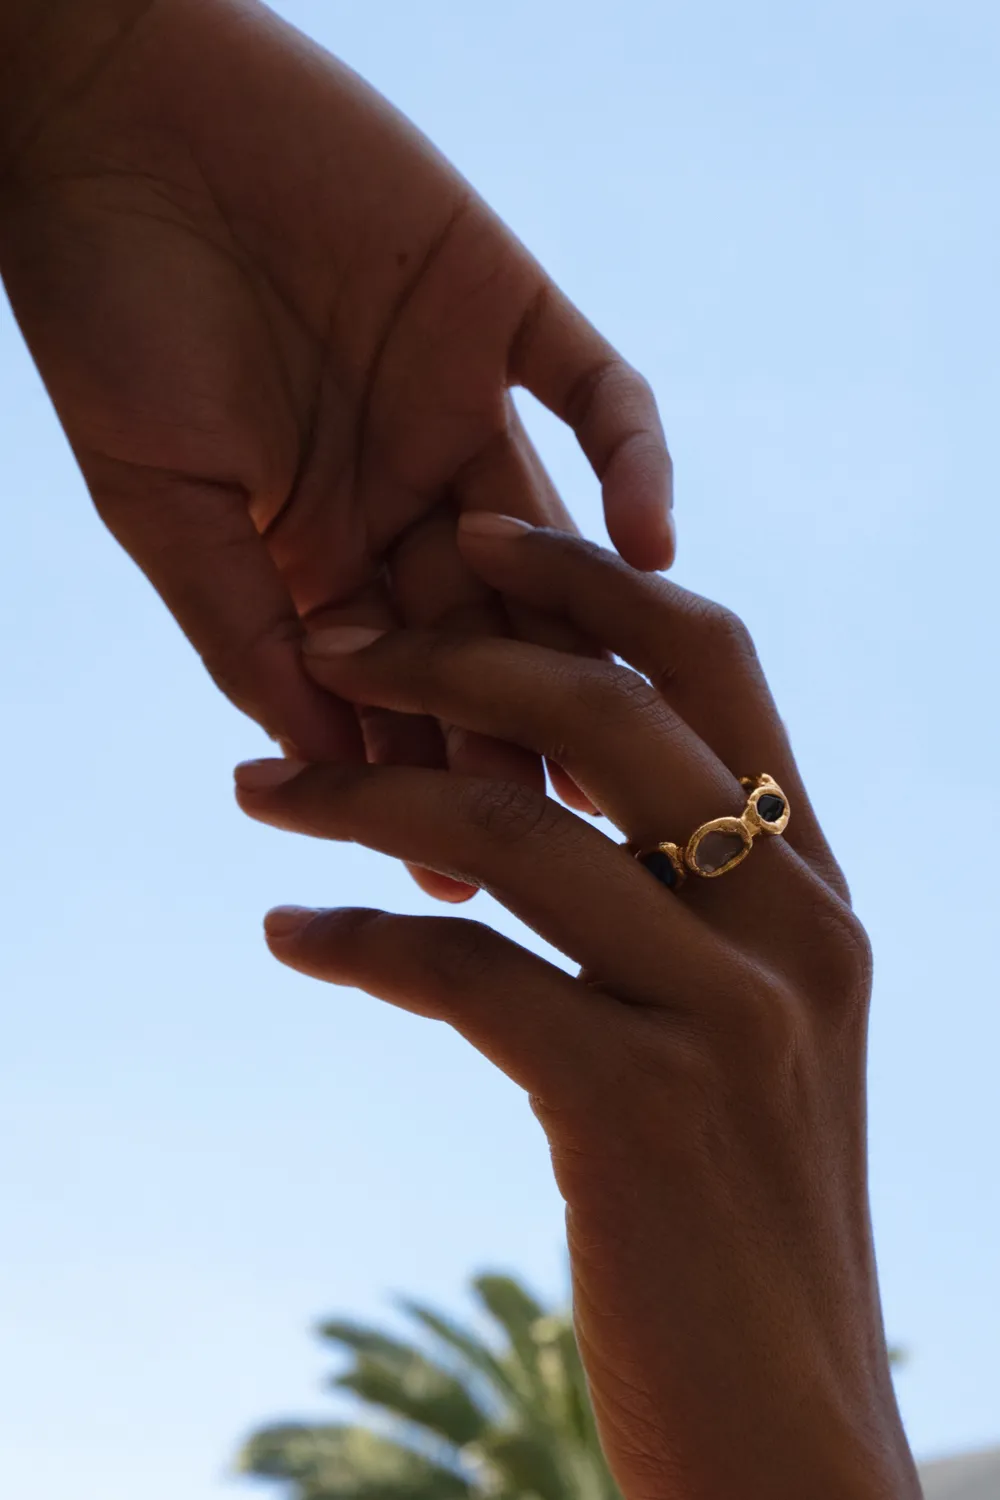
(280, 332)
(702, 1080)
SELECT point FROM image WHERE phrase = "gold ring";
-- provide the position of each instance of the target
(719, 846)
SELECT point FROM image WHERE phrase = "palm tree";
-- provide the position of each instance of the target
(457, 1417)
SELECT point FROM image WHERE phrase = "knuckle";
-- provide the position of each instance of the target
(631, 380)
(831, 977)
(777, 1024)
(640, 385)
(611, 694)
(505, 811)
(845, 954)
(328, 801)
(725, 633)
(767, 1025)
(352, 931)
(589, 386)
(466, 957)
(764, 1018)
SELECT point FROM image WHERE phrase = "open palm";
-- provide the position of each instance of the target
(280, 332)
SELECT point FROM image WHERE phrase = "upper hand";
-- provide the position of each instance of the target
(280, 332)
(702, 1082)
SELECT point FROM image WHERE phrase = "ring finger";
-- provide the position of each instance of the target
(546, 865)
(638, 761)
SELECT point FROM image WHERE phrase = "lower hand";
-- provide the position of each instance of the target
(702, 1081)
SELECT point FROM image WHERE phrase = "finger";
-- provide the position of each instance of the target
(697, 655)
(509, 476)
(216, 577)
(566, 789)
(622, 743)
(559, 875)
(385, 734)
(433, 586)
(390, 738)
(564, 361)
(545, 1030)
(619, 741)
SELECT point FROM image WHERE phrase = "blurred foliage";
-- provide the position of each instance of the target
(451, 1416)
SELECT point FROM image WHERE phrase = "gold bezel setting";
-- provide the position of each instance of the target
(761, 787)
(745, 828)
(733, 828)
(674, 857)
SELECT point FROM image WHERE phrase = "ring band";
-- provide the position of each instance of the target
(719, 846)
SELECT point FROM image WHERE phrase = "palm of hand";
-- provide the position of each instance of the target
(279, 331)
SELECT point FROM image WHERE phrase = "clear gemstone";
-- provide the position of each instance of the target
(717, 849)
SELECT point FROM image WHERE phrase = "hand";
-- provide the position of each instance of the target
(279, 331)
(702, 1082)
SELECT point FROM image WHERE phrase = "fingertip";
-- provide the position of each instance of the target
(487, 543)
(670, 540)
(265, 775)
(647, 542)
(490, 526)
(566, 789)
(638, 504)
(285, 924)
(442, 887)
(459, 895)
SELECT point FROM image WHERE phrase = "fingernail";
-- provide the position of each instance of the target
(258, 775)
(286, 922)
(488, 523)
(339, 640)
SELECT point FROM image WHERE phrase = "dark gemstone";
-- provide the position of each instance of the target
(770, 808)
(660, 865)
(717, 849)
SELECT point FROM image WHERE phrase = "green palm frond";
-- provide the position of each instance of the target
(361, 1339)
(516, 1312)
(512, 1307)
(467, 1419)
(403, 1381)
(566, 1380)
(447, 1412)
(470, 1349)
(527, 1464)
(348, 1463)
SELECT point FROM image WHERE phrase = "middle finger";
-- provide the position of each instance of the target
(642, 766)
(561, 876)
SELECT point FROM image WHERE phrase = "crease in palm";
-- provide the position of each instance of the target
(280, 332)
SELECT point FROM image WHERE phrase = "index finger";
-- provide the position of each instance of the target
(560, 357)
(566, 880)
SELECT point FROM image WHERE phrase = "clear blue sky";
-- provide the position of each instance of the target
(787, 216)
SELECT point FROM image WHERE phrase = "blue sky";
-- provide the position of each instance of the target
(787, 216)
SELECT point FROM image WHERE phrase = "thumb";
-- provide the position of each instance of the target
(198, 546)
(560, 358)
